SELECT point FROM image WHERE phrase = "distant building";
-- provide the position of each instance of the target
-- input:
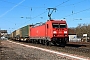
(3, 33)
(73, 36)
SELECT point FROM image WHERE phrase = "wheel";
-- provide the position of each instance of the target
(46, 42)
(43, 42)
(49, 43)
(38, 41)
(27, 41)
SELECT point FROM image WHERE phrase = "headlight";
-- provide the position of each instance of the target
(65, 32)
(54, 32)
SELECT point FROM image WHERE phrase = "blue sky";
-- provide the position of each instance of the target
(34, 11)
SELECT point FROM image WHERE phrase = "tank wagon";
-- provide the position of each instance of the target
(48, 33)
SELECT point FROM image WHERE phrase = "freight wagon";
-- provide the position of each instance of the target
(13, 35)
(23, 33)
(18, 34)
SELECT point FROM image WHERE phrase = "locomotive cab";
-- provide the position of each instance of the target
(59, 32)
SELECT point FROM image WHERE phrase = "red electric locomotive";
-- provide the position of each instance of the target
(52, 32)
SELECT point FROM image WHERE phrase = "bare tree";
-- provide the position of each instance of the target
(80, 30)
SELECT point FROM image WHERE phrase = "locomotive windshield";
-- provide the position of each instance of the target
(63, 26)
(59, 25)
(55, 25)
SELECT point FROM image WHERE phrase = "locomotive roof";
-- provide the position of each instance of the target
(57, 21)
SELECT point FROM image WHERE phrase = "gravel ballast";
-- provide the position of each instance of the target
(11, 51)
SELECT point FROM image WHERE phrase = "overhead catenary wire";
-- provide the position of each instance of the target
(44, 7)
(21, 4)
(35, 17)
(62, 3)
(45, 12)
(66, 15)
(33, 7)
(77, 12)
(58, 6)
(74, 3)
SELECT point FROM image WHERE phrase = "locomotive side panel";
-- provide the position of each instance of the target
(38, 31)
(49, 30)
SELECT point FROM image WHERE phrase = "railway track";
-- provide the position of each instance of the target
(74, 50)
(80, 44)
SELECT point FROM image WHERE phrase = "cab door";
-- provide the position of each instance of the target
(46, 30)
